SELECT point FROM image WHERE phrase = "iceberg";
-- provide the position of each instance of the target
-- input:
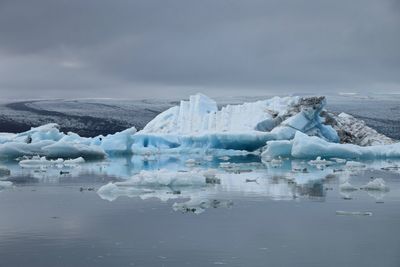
(198, 125)
(278, 127)
(377, 184)
(48, 141)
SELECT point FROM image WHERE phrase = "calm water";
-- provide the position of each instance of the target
(276, 217)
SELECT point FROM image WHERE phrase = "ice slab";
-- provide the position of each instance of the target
(304, 146)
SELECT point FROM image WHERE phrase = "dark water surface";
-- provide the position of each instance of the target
(51, 221)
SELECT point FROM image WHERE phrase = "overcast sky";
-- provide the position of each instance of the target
(164, 48)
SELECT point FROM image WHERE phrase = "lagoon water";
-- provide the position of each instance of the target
(261, 215)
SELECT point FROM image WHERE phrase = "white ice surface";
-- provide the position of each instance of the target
(304, 146)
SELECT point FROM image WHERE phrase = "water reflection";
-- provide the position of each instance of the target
(234, 177)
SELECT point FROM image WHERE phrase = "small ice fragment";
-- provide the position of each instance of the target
(346, 186)
(354, 213)
(75, 161)
(319, 161)
(377, 184)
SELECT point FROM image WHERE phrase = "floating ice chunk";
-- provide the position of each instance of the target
(74, 161)
(346, 186)
(354, 213)
(377, 184)
(4, 171)
(320, 161)
(165, 178)
(198, 123)
(5, 184)
(37, 162)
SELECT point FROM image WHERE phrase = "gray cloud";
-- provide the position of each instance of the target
(121, 48)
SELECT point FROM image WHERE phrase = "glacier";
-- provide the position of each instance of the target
(274, 128)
